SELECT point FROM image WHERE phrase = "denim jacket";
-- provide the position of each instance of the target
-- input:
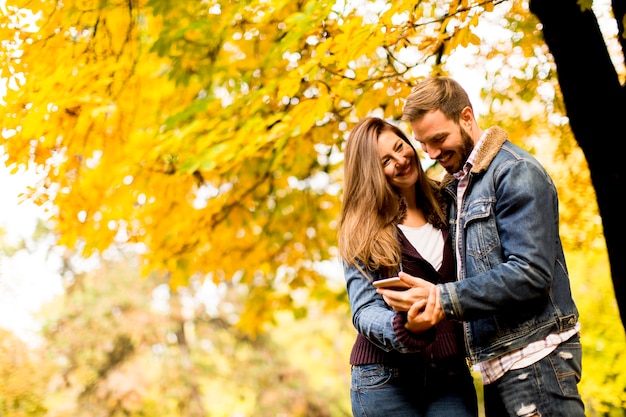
(513, 287)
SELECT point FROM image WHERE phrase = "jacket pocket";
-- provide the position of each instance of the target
(480, 230)
(371, 376)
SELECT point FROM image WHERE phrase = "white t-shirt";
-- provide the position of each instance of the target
(428, 240)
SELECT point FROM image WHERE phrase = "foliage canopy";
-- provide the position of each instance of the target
(208, 135)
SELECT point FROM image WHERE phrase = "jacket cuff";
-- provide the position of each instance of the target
(446, 293)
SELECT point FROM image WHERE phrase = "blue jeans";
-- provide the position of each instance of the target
(548, 388)
(427, 391)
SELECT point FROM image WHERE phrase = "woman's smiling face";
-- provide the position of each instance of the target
(398, 160)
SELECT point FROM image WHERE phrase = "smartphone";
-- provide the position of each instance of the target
(393, 283)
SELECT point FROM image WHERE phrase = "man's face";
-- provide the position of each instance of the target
(443, 140)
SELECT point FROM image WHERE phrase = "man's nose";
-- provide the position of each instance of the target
(433, 153)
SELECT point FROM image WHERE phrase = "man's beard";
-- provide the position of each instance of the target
(464, 150)
(467, 146)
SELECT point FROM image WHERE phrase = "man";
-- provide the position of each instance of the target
(512, 290)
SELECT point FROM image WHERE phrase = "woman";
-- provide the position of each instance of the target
(393, 220)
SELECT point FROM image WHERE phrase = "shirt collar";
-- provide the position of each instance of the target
(471, 159)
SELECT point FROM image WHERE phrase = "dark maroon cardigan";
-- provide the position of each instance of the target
(443, 341)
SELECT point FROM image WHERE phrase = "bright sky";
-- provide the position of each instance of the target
(28, 278)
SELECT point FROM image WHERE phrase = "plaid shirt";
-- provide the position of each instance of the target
(493, 369)
(463, 177)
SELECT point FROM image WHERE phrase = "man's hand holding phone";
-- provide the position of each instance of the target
(403, 300)
(420, 301)
(425, 314)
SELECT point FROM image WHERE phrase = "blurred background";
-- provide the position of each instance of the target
(172, 176)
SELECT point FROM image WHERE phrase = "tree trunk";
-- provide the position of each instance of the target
(596, 106)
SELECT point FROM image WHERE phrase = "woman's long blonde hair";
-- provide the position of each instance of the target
(371, 208)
